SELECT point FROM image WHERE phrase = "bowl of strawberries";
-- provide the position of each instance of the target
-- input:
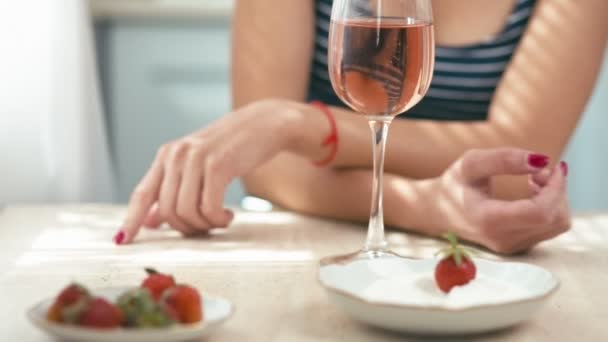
(159, 309)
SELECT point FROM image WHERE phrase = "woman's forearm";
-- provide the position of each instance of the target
(416, 149)
(293, 183)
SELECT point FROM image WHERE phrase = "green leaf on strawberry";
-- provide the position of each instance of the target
(71, 313)
(141, 310)
(455, 249)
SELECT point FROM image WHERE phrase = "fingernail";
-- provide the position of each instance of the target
(564, 166)
(119, 237)
(538, 160)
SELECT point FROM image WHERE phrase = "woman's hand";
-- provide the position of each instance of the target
(185, 184)
(466, 204)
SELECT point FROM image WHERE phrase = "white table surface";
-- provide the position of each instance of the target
(266, 263)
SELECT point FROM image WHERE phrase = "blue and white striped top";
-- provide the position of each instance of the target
(464, 80)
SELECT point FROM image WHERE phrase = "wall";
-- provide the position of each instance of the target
(587, 153)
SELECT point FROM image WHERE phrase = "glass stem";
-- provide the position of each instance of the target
(375, 232)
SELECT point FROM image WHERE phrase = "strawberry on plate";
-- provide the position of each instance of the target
(141, 310)
(68, 303)
(99, 313)
(456, 268)
(185, 301)
(157, 283)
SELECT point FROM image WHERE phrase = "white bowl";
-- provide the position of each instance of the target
(216, 311)
(400, 294)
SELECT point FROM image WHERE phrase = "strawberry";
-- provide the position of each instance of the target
(157, 283)
(142, 311)
(99, 313)
(456, 268)
(185, 302)
(169, 311)
(73, 295)
(54, 313)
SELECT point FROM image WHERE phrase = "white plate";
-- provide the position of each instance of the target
(216, 311)
(400, 294)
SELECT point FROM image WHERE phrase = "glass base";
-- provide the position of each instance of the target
(359, 255)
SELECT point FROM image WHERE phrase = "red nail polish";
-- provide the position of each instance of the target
(564, 166)
(538, 160)
(119, 237)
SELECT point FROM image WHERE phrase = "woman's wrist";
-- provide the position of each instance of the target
(446, 210)
(283, 118)
(303, 128)
(414, 205)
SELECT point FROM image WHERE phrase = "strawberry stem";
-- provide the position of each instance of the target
(150, 271)
(458, 256)
(454, 249)
(452, 238)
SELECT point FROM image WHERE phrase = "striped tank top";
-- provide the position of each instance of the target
(464, 80)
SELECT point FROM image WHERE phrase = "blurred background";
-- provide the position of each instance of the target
(90, 90)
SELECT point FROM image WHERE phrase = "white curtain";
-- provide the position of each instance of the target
(53, 139)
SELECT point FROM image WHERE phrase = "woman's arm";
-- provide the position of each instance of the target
(457, 201)
(346, 193)
(536, 106)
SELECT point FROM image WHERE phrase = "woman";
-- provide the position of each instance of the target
(481, 159)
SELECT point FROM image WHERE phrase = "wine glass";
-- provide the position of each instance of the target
(380, 58)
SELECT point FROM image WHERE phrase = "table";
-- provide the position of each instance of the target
(266, 263)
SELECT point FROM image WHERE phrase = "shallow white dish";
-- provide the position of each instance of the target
(216, 310)
(400, 294)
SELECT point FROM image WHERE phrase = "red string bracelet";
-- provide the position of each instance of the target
(332, 139)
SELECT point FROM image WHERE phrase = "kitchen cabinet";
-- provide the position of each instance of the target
(161, 79)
